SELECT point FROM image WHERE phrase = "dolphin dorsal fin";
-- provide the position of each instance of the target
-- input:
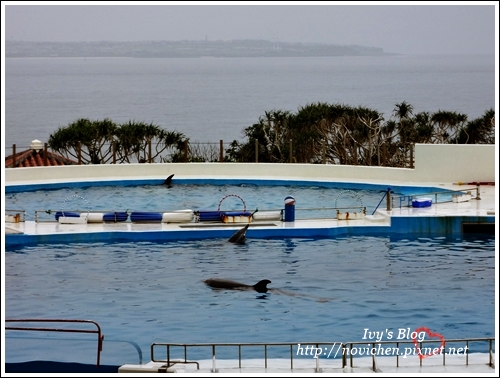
(261, 286)
(168, 180)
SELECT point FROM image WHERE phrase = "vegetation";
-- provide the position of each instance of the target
(340, 134)
(316, 133)
(101, 142)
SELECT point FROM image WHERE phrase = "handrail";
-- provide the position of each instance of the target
(445, 192)
(386, 192)
(100, 336)
(374, 367)
(314, 349)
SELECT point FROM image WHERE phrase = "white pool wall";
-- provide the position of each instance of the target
(434, 163)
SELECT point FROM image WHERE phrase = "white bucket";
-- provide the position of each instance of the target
(95, 217)
(179, 216)
(267, 215)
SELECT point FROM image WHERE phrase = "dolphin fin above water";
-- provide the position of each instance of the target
(168, 181)
(261, 286)
(239, 236)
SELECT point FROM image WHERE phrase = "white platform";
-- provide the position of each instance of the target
(477, 364)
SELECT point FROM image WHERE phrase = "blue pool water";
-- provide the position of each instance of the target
(159, 198)
(141, 293)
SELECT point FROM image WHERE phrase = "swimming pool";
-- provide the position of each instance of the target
(144, 292)
(197, 196)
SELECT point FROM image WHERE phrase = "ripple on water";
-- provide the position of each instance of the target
(153, 292)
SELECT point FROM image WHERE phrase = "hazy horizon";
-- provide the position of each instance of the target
(402, 28)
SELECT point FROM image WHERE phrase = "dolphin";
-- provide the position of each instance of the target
(221, 283)
(259, 287)
(239, 236)
(168, 181)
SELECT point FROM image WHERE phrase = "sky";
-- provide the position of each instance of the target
(404, 28)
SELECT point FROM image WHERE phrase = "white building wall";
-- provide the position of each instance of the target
(453, 163)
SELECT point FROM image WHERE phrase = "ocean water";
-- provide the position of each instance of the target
(335, 289)
(209, 99)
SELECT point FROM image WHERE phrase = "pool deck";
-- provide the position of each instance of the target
(477, 363)
(382, 222)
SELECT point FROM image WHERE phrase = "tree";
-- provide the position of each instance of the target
(307, 132)
(142, 142)
(92, 140)
(424, 128)
(447, 125)
(480, 130)
(100, 142)
(403, 113)
(274, 127)
(340, 134)
(272, 135)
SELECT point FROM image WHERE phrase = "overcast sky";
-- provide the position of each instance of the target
(435, 28)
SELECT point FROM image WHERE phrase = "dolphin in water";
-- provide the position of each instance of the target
(221, 283)
(239, 236)
(168, 181)
(259, 287)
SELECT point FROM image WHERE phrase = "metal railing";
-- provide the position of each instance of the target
(406, 200)
(213, 347)
(413, 350)
(191, 151)
(100, 336)
(387, 193)
(317, 350)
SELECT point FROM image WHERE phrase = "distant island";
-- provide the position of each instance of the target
(184, 49)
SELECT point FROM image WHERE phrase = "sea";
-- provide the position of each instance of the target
(213, 99)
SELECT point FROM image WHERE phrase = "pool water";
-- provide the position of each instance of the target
(159, 198)
(141, 293)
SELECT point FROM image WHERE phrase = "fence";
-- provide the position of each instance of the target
(97, 331)
(322, 351)
(187, 152)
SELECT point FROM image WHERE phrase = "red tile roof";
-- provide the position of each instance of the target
(32, 158)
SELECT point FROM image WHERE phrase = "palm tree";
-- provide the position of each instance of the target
(447, 125)
(480, 130)
(136, 140)
(86, 140)
(403, 110)
(423, 128)
(403, 113)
